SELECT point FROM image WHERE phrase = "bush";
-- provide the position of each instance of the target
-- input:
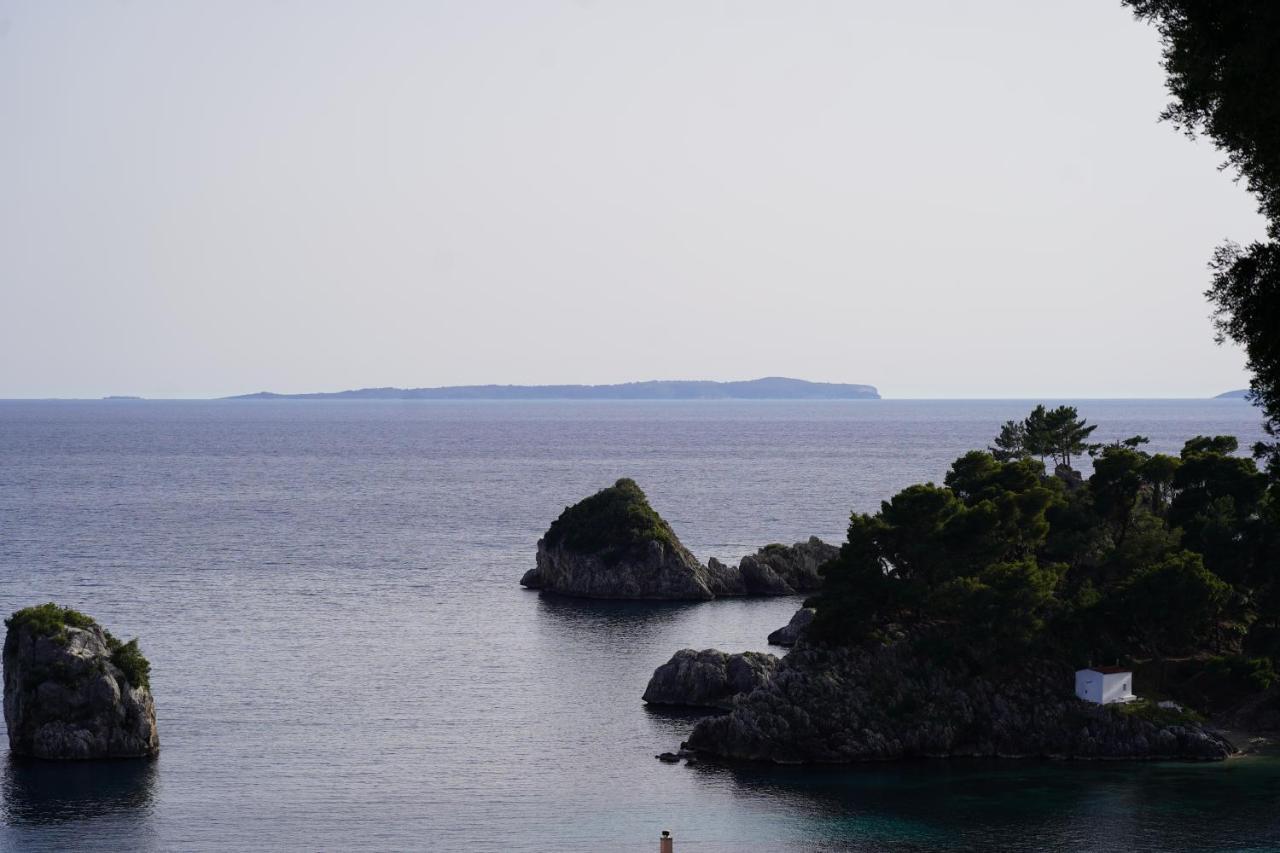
(1145, 709)
(616, 517)
(49, 620)
(128, 659)
(52, 620)
(1244, 673)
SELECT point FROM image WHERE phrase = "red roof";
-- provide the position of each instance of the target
(1110, 670)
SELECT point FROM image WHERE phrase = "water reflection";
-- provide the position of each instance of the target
(50, 792)
(610, 620)
(1017, 805)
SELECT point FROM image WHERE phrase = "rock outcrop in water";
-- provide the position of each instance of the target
(790, 633)
(709, 678)
(72, 691)
(785, 570)
(615, 545)
(887, 702)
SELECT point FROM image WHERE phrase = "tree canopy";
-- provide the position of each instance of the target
(1153, 555)
(1059, 434)
(1222, 64)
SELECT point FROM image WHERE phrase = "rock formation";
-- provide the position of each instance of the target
(888, 702)
(615, 545)
(71, 690)
(788, 634)
(709, 678)
(786, 570)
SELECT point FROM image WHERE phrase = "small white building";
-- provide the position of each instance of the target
(1105, 684)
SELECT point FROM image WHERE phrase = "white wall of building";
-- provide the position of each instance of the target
(1104, 688)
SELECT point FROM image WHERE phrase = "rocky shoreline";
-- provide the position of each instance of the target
(890, 702)
(709, 678)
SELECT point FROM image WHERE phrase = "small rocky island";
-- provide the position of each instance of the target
(615, 545)
(73, 691)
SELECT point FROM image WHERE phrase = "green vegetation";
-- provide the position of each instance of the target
(1059, 434)
(1150, 711)
(52, 620)
(1154, 556)
(128, 659)
(49, 620)
(612, 519)
(1222, 61)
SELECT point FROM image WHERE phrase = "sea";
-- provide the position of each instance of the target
(343, 659)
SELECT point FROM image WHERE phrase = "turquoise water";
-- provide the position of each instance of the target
(342, 657)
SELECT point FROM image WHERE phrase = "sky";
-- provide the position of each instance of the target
(942, 199)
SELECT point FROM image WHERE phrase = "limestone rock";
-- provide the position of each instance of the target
(890, 701)
(709, 678)
(788, 634)
(724, 581)
(65, 697)
(786, 570)
(614, 545)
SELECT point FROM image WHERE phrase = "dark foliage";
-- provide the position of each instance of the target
(52, 620)
(1153, 556)
(1222, 64)
(612, 518)
(49, 620)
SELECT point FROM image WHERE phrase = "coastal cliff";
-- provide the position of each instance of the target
(73, 691)
(881, 702)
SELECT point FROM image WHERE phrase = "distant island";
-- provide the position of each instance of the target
(121, 397)
(1239, 394)
(769, 388)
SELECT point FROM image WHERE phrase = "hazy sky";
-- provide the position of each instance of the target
(947, 199)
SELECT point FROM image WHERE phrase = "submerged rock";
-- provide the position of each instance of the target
(788, 634)
(72, 691)
(709, 678)
(889, 702)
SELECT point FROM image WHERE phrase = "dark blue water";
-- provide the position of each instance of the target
(342, 657)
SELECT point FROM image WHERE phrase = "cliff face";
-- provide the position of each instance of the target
(64, 698)
(650, 570)
(889, 702)
(790, 633)
(786, 570)
(709, 678)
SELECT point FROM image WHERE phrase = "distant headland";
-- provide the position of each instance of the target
(1239, 394)
(769, 388)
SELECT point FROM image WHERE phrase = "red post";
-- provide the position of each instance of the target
(665, 842)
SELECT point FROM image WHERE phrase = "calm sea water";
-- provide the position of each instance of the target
(342, 657)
